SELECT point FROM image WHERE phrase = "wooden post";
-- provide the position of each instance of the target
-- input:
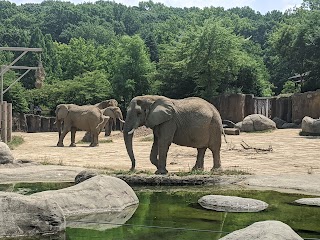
(9, 119)
(4, 123)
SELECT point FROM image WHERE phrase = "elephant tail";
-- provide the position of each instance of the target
(224, 135)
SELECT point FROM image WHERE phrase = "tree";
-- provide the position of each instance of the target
(131, 68)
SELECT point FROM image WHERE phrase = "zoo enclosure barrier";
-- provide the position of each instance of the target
(290, 108)
(6, 121)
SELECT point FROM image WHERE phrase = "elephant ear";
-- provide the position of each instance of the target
(61, 111)
(159, 112)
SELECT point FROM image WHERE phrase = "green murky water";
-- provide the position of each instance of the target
(173, 213)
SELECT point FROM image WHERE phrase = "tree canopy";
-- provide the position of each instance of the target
(95, 51)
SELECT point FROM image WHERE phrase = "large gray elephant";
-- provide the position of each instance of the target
(114, 113)
(87, 118)
(191, 122)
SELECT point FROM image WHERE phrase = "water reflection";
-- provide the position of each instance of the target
(101, 221)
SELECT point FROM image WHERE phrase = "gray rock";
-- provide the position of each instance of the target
(309, 201)
(310, 125)
(5, 154)
(29, 216)
(97, 194)
(290, 125)
(279, 122)
(257, 122)
(84, 175)
(231, 204)
(266, 230)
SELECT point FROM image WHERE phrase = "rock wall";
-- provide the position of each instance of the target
(32, 123)
(305, 104)
(281, 107)
(231, 107)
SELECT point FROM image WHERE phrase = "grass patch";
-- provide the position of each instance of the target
(126, 172)
(301, 133)
(15, 142)
(106, 141)
(100, 141)
(148, 138)
(212, 173)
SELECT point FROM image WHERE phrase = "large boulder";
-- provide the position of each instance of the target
(231, 204)
(279, 122)
(308, 201)
(5, 154)
(29, 216)
(310, 125)
(256, 122)
(98, 194)
(266, 230)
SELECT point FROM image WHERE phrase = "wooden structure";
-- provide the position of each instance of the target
(6, 108)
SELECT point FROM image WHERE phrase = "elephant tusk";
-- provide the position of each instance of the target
(121, 120)
(132, 131)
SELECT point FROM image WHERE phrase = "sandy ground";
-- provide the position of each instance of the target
(291, 153)
(293, 165)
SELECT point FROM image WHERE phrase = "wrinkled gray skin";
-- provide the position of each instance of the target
(107, 103)
(191, 122)
(113, 113)
(87, 118)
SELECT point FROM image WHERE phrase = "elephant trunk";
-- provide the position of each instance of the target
(128, 142)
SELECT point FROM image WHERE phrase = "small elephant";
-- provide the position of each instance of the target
(87, 118)
(114, 113)
(191, 122)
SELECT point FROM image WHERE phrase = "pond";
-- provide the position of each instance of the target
(166, 213)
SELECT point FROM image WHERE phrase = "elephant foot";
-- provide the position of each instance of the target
(94, 145)
(72, 145)
(60, 145)
(216, 170)
(197, 168)
(161, 172)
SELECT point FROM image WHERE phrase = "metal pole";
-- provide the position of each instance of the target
(1, 85)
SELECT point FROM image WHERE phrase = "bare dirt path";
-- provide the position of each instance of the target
(292, 154)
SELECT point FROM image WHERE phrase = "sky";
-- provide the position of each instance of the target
(262, 6)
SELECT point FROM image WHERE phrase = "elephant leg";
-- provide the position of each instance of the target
(200, 159)
(216, 159)
(108, 129)
(154, 152)
(163, 152)
(94, 140)
(73, 137)
(63, 134)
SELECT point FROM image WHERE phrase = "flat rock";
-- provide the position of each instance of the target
(231, 204)
(256, 122)
(98, 194)
(309, 201)
(266, 230)
(5, 154)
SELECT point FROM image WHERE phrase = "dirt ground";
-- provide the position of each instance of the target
(291, 153)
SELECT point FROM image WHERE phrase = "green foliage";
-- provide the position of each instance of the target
(131, 68)
(152, 48)
(290, 87)
(90, 88)
(15, 142)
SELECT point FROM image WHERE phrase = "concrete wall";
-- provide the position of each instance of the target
(305, 104)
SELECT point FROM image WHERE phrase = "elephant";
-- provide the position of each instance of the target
(191, 122)
(88, 118)
(60, 117)
(107, 103)
(114, 113)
